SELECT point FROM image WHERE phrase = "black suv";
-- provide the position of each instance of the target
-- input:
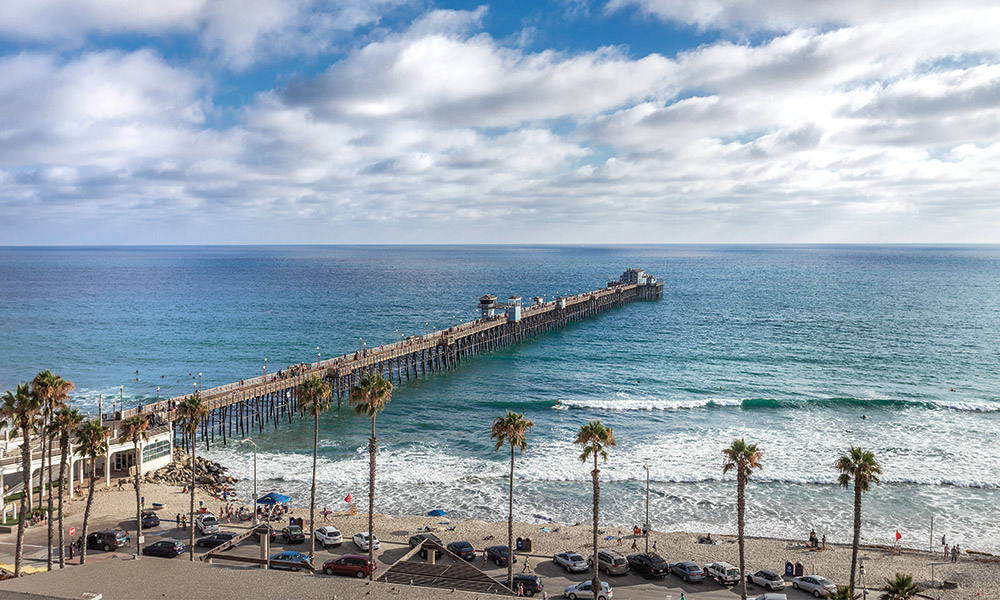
(530, 584)
(648, 565)
(293, 534)
(420, 537)
(107, 540)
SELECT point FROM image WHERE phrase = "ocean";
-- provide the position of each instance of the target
(804, 350)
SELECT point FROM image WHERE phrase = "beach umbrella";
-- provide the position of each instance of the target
(273, 498)
(436, 513)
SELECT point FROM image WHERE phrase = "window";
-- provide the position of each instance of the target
(156, 450)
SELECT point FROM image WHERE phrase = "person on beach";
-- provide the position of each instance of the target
(812, 538)
(954, 553)
(824, 541)
(635, 546)
(946, 551)
(527, 564)
(654, 545)
(620, 538)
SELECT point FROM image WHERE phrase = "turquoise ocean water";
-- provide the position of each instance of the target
(787, 345)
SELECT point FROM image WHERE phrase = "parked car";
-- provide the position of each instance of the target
(361, 540)
(108, 540)
(723, 572)
(462, 549)
(415, 541)
(499, 554)
(611, 562)
(273, 534)
(584, 590)
(293, 534)
(329, 536)
(290, 556)
(688, 571)
(530, 584)
(166, 549)
(214, 540)
(207, 523)
(571, 561)
(816, 585)
(356, 565)
(771, 596)
(648, 564)
(150, 519)
(767, 579)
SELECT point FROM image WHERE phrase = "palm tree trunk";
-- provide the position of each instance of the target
(48, 564)
(312, 497)
(41, 467)
(26, 479)
(857, 531)
(191, 524)
(64, 456)
(138, 503)
(372, 444)
(596, 581)
(86, 511)
(510, 524)
(741, 506)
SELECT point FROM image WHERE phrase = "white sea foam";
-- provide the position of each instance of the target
(625, 402)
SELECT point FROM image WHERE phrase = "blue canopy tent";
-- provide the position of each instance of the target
(436, 513)
(273, 498)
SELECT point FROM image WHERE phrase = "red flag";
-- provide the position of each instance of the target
(348, 500)
(897, 535)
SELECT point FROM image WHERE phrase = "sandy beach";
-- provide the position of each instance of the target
(974, 575)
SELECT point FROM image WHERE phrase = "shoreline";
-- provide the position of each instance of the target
(972, 574)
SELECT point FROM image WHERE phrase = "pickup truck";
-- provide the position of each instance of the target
(723, 572)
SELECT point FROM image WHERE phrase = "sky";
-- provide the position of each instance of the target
(554, 121)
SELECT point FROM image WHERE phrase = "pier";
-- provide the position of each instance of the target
(236, 409)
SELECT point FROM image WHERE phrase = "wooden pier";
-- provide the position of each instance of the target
(236, 409)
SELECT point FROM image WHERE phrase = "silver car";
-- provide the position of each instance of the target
(572, 562)
(816, 585)
(767, 579)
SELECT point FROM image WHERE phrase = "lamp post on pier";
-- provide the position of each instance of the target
(248, 440)
(317, 357)
(265, 368)
(646, 466)
(157, 394)
(199, 381)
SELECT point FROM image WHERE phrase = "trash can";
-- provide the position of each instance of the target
(789, 569)
(799, 570)
(527, 544)
(519, 544)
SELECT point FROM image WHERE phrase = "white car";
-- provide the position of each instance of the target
(814, 584)
(767, 579)
(572, 562)
(361, 540)
(207, 523)
(329, 536)
(584, 590)
(770, 596)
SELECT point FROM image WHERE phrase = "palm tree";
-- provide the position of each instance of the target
(842, 593)
(191, 412)
(133, 429)
(64, 424)
(314, 396)
(53, 392)
(862, 467)
(370, 397)
(744, 459)
(92, 440)
(900, 588)
(20, 410)
(512, 429)
(595, 439)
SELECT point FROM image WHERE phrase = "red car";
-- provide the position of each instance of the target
(349, 564)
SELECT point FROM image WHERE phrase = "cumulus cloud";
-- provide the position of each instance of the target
(868, 130)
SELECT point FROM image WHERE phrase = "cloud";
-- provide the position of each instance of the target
(442, 132)
(239, 34)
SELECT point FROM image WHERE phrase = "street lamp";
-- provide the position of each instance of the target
(861, 570)
(157, 393)
(199, 380)
(317, 357)
(248, 440)
(646, 466)
(265, 368)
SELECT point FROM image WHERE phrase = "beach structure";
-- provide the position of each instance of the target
(237, 408)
